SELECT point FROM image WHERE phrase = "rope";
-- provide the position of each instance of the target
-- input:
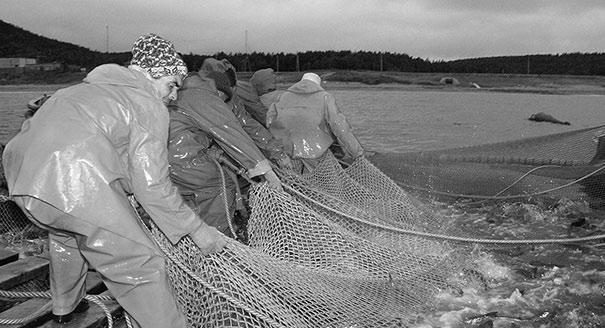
(192, 274)
(523, 177)
(97, 299)
(440, 236)
(225, 200)
(206, 284)
(504, 197)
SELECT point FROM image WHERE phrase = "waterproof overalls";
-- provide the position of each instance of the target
(70, 169)
(307, 121)
(199, 119)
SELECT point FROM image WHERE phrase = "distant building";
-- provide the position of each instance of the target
(54, 66)
(21, 65)
(17, 62)
(449, 80)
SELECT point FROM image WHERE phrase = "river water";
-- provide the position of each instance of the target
(526, 288)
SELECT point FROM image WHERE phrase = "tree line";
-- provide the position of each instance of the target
(16, 42)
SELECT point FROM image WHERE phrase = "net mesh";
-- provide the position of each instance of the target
(349, 247)
(310, 265)
(549, 167)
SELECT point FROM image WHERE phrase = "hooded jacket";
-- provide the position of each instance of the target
(245, 102)
(198, 118)
(92, 144)
(251, 101)
(262, 137)
(306, 119)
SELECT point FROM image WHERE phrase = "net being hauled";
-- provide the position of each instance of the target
(310, 265)
(348, 247)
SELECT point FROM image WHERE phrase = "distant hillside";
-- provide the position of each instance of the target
(17, 42)
(561, 64)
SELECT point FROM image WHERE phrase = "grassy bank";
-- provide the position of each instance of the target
(554, 84)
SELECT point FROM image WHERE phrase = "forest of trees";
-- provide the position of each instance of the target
(17, 42)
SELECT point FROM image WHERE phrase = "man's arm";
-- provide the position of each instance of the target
(148, 168)
(341, 129)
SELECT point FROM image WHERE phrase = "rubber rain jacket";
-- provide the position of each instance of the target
(251, 101)
(85, 150)
(264, 140)
(270, 98)
(198, 119)
(307, 121)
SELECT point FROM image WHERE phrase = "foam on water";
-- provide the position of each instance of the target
(531, 286)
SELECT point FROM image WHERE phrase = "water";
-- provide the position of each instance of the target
(13, 104)
(399, 121)
(536, 286)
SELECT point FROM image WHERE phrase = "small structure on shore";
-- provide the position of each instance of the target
(448, 80)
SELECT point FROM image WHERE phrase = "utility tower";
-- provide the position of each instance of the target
(246, 65)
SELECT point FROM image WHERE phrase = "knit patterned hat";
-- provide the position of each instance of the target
(157, 56)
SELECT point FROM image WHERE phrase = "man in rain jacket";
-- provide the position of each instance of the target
(75, 162)
(307, 121)
(264, 140)
(263, 82)
(200, 120)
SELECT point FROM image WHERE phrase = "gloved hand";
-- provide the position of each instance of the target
(208, 239)
(214, 152)
(273, 180)
(285, 163)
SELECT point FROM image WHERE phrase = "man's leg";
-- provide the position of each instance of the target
(67, 272)
(67, 266)
(135, 274)
(133, 271)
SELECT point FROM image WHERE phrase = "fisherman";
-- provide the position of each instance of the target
(264, 82)
(202, 127)
(307, 121)
(73, 167)
(244, 91)
(262, 137)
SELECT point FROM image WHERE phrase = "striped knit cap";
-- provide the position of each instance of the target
(157, 56)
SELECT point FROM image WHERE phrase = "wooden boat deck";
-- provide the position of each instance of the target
(15, 272)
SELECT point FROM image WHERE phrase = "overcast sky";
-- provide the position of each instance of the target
(433, 29)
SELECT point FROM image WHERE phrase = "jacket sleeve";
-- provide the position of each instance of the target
(271, 115)
(264, 140)
(148, 167)
(214, 117)
(341, 128)
(251, 101)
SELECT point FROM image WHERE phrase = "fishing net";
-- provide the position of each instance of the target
(308, 264)
(349, 247)
(566, 165)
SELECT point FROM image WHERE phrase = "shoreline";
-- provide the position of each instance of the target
(401, 81)
(338, 85)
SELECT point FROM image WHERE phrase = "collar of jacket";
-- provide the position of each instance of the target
(305, 87)
(195, 81)
(114, 74)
